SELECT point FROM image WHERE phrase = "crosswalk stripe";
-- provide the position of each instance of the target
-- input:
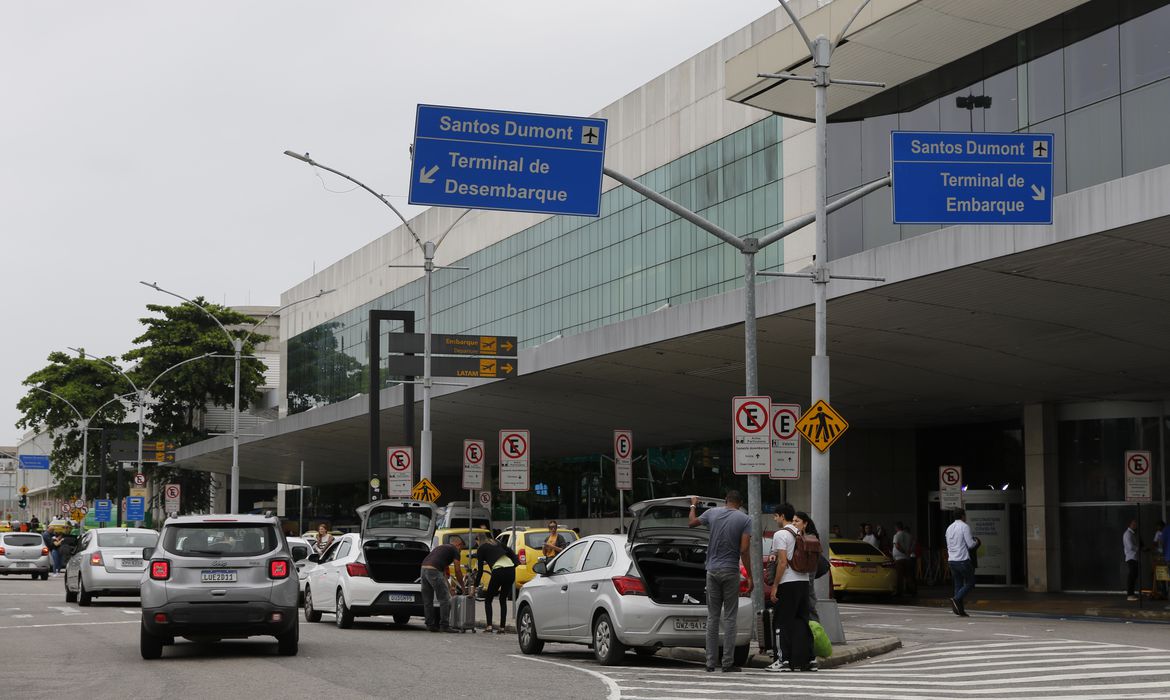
(1045, 657)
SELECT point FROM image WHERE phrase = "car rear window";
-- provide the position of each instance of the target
(127, 539)
(536, 540)
(220, 539)
(23, 540)
(854, 549)
(411, 518)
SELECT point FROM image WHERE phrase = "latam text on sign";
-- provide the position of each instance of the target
(942, 177)
(481, 367)
(514, 161)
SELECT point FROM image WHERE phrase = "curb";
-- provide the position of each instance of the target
(1009, 607)
(842, 654)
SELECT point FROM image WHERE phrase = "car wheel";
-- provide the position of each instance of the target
(311, 613)
(606, 647)
(344, 614)
(149, 645)
(83, 598)
(70, 596)
(526, 631)
(401, 619)
(839, 597)
(286, 644)
(45, 576)
(645, 651)
(741, 655)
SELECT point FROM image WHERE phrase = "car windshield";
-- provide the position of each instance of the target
(23, 540)
(854, 549)
(127, 539)
(536, 540)
(403, 517)
(667, 516)
(217, 539)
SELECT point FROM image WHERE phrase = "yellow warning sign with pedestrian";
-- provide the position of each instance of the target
(425, 491)
(821, 425)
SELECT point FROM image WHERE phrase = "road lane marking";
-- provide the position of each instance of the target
(1005, 634)
(66, 624)
(65, 610)
(615, 692)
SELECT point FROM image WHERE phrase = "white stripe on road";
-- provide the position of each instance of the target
(67, 624)
(821, 690)
(19, 616)
(66, 611)
(932, 681)
(1045, 656)
(615, 692)
(1005, 634)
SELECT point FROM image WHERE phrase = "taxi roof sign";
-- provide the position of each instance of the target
(821, 425)
(424, 490)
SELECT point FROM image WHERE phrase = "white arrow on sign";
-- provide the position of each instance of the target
(1039, 192)
(427, 177)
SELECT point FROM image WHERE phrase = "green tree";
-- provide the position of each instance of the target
(88, 384)
(319, 372)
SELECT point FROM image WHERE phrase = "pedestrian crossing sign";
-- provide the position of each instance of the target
(424, 490)
(821, 425)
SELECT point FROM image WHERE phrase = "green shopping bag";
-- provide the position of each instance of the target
(822, 647)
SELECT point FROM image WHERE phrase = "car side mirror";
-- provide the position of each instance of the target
(300, 553)
(314, 557)
(147, 552)
(540, 569)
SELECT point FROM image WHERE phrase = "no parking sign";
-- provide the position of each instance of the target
(1138, 488)
(399, 471)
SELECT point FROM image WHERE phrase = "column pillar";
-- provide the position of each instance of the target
(1042, 499)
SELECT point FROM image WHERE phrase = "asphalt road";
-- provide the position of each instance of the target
(68, 651)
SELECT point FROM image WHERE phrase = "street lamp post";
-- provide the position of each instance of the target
(428, 249)
(237, 350)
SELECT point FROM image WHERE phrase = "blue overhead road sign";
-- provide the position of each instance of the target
(942, 177)
(34, 461)
(514, 161)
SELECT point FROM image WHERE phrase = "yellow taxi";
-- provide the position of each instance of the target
(467, 564)
(859, 567)
(531, 548)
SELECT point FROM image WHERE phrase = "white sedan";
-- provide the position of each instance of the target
(341, 584)
(640, 592)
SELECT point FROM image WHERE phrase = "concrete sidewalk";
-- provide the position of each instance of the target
(1019, 601)
(860, 645)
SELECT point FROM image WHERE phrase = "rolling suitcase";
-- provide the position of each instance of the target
(463, 613)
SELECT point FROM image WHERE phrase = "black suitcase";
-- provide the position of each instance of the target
(764, 632)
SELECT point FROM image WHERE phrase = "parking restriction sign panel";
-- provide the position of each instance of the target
(473, 458)
(515, 451)
(171, 493)
(821, 425)
(623, 465)
(399, 471)
(1138, 487)
(950, 487)
(751, 435)
(785, 441)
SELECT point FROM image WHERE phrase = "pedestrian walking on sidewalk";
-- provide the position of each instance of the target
(1129, 549)
(728, 545)
(805, 524)
(903, 553)
(790, 591)
(503, 563)
(434, 584)
(960, 542)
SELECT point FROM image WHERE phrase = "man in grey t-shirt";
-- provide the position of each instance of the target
(729, 544)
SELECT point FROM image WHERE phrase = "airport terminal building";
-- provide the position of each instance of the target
(1033, 356)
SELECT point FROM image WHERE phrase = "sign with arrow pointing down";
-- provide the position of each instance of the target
(512, 161)
(944, 177)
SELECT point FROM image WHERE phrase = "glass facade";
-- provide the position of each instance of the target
(569, 274)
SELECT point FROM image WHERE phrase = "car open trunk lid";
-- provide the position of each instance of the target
(668, 553)
(396, 537)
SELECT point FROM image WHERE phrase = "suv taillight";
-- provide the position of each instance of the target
(160, 569)
(42, 550)
(629, 585)
(357, 569)
(95, 559)
(278, 568)
(522, 555)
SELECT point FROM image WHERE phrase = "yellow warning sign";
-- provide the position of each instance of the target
(425, 491)
(821, 425)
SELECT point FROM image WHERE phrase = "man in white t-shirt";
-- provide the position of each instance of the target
(903, 564)
(790, 591)
(960, 542)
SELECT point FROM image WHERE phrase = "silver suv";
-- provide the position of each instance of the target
(215, 577)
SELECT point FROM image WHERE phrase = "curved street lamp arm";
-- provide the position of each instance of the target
(318, 295)
(305, 158)
(848, 24)
(116, 398)
(154, 286)
(204, 356)
(109, 364)
(459, 218)
(799, 27)
(67, 402)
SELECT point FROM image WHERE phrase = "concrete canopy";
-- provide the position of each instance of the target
(972, 323)
(875, 47)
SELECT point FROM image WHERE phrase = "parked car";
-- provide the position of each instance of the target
(24, 553)
(641, 591)
(214, 577)
(455, 514)
(530, 548)
(859, 567)
(376, 571)
(108, 562)
(300, 548)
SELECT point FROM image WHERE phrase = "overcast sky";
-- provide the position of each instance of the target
(144, 140)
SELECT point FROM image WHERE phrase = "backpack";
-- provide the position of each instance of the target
(806, 554)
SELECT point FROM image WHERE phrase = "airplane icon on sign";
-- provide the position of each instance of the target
(590, 134)
(1039, 149)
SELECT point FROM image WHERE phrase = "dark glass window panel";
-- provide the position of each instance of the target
(1091, 69)
(1093, 143)
(1145, 49)
(1144, 139)
(1046, 87)
(1004, 113)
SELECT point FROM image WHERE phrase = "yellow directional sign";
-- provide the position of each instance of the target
(425, 491)
(821, 425)
(23, 490)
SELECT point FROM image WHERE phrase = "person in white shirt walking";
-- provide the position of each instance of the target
(903, 563)
(1129, 546)
(960, 542)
